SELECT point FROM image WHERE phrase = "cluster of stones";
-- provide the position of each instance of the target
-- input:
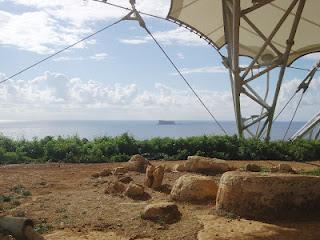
(124, 185)
(249, 194)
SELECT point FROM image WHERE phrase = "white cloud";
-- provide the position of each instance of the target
(134, 41)
(71, 96)
(66, 59)
(35, 32)
(96, 57)
(49, 24)
(54, 92)
(212, 69)
(99, 56)
(177, 36)
(180, 56)
(310, 104)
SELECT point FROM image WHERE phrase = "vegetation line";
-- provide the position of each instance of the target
(118, 149)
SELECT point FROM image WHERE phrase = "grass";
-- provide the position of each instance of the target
(314, 172)
(5, 198)
(43, 227)
(21, 190)
(265, 170)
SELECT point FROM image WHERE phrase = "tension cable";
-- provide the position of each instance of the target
(60, 51)
(137, 17)
(304, 85)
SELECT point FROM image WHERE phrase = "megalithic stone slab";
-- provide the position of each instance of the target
(269, 196)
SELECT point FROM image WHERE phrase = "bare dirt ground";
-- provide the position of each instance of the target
(66, 203)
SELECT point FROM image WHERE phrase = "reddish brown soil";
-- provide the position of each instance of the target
(65, 197)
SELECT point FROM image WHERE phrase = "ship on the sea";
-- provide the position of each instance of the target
(164, 122)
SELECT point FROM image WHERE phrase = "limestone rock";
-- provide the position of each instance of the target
(154, 176)
(285, 168)
(205, 165)
(115, 188)
(158, 175)
(95, 175)
(138, 163)
(162, 212)
(282, 168)
(268, 196)
(253, 167)
(105, 173)
(150, 170)
(120, 171)
(125, 179)
(134, 190)
(179, 168)
(194, 188)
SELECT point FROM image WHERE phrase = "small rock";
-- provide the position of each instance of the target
(115, 188)
(154, 176)
(95, 175)
(138, 163)
(125, 179)
(119, 171)
(253, 168)
(285, 168)
(134, 190)
(194, 188)
(282, 168)
(162, 212)
(105, 173)
(158, 175)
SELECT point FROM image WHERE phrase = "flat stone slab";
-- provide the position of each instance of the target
(269, 196)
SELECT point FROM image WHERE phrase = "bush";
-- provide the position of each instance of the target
(120, 148)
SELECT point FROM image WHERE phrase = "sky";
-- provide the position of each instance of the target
(119, 74)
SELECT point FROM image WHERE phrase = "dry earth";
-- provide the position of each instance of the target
(66, 203)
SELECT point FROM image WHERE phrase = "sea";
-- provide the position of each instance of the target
(138, 129)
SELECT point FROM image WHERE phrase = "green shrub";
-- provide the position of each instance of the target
(120, 148)
(314, 172)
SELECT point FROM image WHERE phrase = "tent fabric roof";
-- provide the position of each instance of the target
(207, 19)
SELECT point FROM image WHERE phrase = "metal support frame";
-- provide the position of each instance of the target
(310, 131)
(260, 123)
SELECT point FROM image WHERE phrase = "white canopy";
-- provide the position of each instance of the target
(206, 17)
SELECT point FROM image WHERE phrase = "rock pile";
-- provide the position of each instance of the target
(132, 190)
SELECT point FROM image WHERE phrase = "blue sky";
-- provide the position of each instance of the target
(118, 74)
